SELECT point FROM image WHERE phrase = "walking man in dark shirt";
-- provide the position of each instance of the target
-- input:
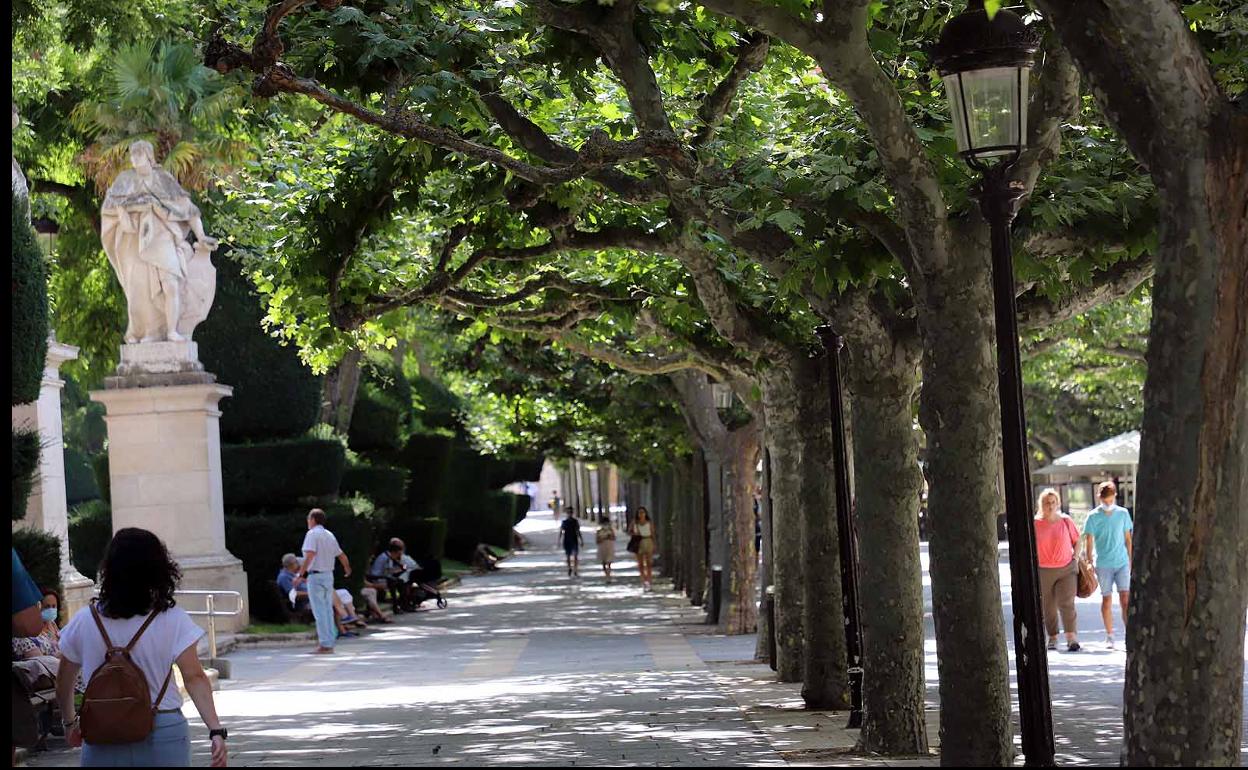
(570, 533)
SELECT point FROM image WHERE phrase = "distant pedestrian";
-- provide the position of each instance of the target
(135, 607)
(1057, 539)
(643, 530)
(570, 534)
(605, 537)
(320, 548)
(1107, 538)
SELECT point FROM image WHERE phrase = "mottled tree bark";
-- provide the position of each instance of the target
(825, 682)
(786, 532)
(960, 415)
(882, 382)
(762, 650)
(339, 390)
(696, 529)
(739, 613)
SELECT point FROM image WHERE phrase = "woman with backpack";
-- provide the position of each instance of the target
(126, 644)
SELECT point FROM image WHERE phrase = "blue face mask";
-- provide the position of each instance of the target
(49, 614)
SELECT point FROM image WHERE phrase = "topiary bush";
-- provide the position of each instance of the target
(25, 469)
(377, 421)
(80, 484)
(28, 320)
(281, 472)
(425, 538)
(438, 406)
(275, 394)
(99, 466)
(427, 459)
(90, 531)
(487, 517)
(41, 555)
(384, 485)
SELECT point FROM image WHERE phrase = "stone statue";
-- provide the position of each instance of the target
(146, 222)
(19, 179)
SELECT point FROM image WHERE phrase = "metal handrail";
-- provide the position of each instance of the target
(211, 612)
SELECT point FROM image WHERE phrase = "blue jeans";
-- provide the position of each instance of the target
(169, 745)
(321, 597)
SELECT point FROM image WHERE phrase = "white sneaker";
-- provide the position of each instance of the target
(1109, 641)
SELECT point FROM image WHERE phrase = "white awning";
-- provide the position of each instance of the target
(1120, 453)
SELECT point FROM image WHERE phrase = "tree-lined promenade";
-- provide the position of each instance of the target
(617, 225)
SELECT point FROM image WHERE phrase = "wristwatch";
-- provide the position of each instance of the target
(70, 723)
(219, 731)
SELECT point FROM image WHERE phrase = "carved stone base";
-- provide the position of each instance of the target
(159, 364)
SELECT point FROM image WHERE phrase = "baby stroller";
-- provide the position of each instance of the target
(420, 586)
(425, 579)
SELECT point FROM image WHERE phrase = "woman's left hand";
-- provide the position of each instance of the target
(73, 736)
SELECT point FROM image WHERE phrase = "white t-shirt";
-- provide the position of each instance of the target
(170, 633)
(325, 544)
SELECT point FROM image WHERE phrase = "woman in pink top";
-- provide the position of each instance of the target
(1056, 539)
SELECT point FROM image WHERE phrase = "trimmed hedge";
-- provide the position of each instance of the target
(439, 407)
(275, 394)
(99, 466)
(90, 532)
(41, 555)
(284, 472)
(25, 469)
(383, 485)
(424, 538)
(28, 319)
(260, 541)
(427, 459)
(378, 421)
(80, 484)
(488, 518)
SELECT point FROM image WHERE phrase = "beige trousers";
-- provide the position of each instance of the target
(1057, 593)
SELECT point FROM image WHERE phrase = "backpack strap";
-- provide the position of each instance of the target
(95, 615)
(161, 695)
(142, 628)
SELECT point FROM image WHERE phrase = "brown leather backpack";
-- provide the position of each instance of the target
(117, 706)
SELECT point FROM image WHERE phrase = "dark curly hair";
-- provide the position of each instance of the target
(137, 576)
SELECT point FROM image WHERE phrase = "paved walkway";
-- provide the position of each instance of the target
(530, 667)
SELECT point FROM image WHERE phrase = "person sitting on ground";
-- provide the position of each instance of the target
(286, 579)
(483, 560)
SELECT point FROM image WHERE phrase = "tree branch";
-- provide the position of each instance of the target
(1056, 100)
(751, 55)
(1035, 312)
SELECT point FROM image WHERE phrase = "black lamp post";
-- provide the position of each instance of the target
(832, 344)
(985, 64)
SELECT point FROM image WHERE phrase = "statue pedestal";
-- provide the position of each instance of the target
(46, 508)
(164, 465)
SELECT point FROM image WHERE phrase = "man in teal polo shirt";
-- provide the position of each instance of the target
(1107, 539)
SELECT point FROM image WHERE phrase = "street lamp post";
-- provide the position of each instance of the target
(832, 344)
(985, 63)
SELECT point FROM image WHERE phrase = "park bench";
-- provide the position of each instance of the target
(33, 703)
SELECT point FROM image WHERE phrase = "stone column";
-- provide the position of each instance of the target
(164, 463)
(46, 508)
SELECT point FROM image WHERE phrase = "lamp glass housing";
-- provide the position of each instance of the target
(989, 108)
